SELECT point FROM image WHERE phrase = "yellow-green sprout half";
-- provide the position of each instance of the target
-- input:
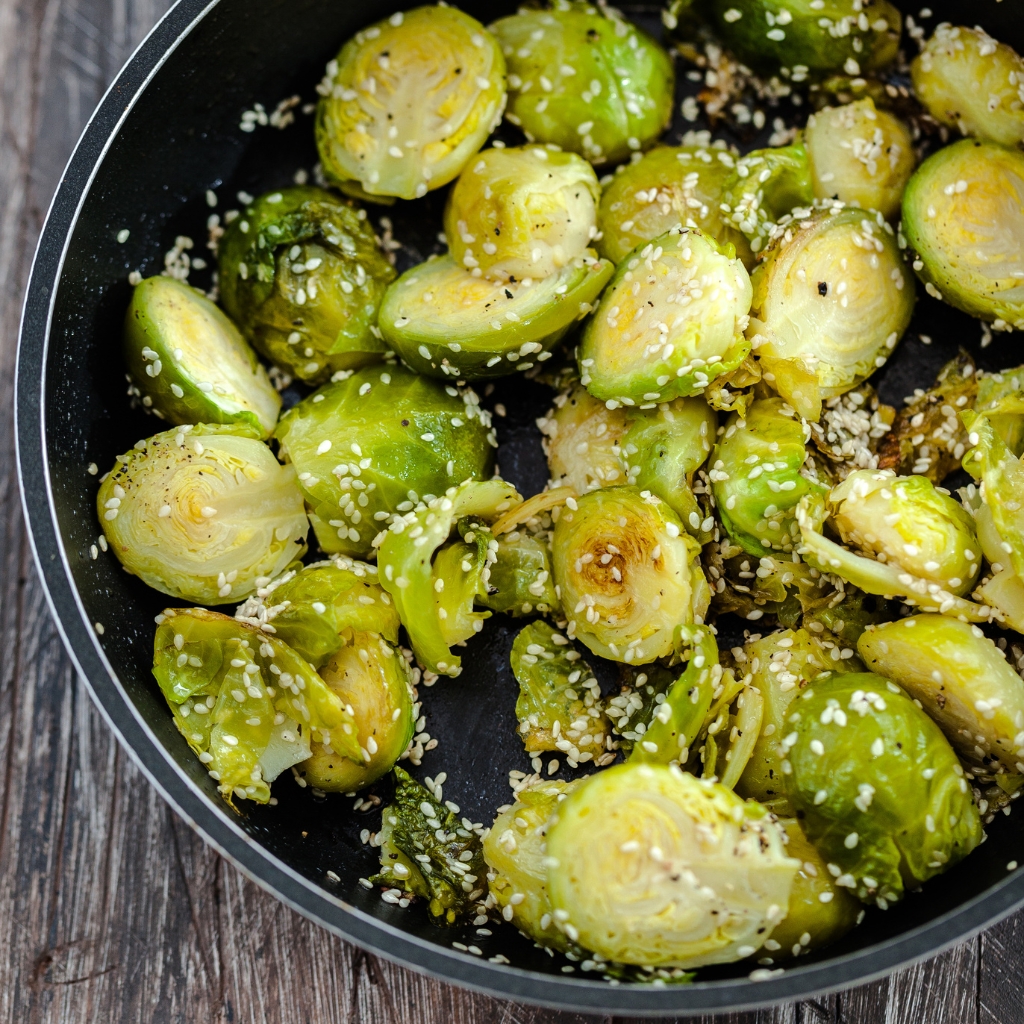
(859, 155)
(203, 513)
(628, 573)
(831, 300)
(963, 681)
(522, 212)
(963, 217)
(408, 101)
(191, 363)
(247, 704)
(647, 865)
(670, 322)
(968, 80)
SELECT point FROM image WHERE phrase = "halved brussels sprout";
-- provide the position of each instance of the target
(408, 101)
(190, 361)
(963, 216)
(204, 513)
(969, 81)
(877, 786)
(831, 300)
(559, 705)
(628, 573)
(860, 155)
(524, 212)
(670, 322)
(247, 704)
(301, 274)
(671, 186)
(521, 580)
(372, 445)
(585, 79)
(650, 866)
(813, 37)
(446, 323)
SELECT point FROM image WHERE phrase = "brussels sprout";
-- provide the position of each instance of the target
(670, 322)
(559, 705)
(446, 323)
(301, 274)
(408, 101)
(399, 437)
(310, 607)
(809, 37)
(963, 216)
(521, 581)
(969, 81)
(877, 786)
(372, 680)
(831, 299)
(860, 155)
(671, 186)
(523, 212)
(758, 476)
(190, 362)
(962, 679)
(649, 866)
(404, 556)
(203, 513)
(585, 79)
(628, 574)
(426, 850)
(247, 704)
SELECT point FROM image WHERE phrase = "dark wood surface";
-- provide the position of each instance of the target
(111, 910)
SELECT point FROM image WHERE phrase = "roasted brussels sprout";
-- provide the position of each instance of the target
(408, 101)
(521, 213)
(520, 580)
(671, 186)
(204, 513)
(809, 37)
(963, 217)
(301, 274)
(585, 79)
(860, 155)
(877, 786)
(399, 437)
(969, 81)
(670, 322)
(628, 574)
(190, 362)
(831, 299)
(247, 704)
(650, 866)
(426, 850)
(446, 323)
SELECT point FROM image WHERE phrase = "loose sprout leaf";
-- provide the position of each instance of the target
(521, 581)
(203, 513)
(460, 578)
(1001, 401)
(852, 429)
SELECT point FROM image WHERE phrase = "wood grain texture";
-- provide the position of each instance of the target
(111, 909)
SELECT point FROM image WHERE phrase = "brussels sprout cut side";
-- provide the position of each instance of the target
(408, 101)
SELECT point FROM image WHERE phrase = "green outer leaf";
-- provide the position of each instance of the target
(462, 588)
(521, 580)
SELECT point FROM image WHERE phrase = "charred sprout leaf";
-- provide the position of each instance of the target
(852, 428)
(881, 792)
(969, 81)
(426, 850)
(371, 445)
(831, 300)
(628, 574)
(670, 322)
(586, 79)
(521, 580)
(523, 212)
(610, 850)
(247, 704)
(408, 101)
(963, 217)
(203, 513)
(190, 361)
(301, 274)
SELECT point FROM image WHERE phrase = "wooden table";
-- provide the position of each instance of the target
(111, 910)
